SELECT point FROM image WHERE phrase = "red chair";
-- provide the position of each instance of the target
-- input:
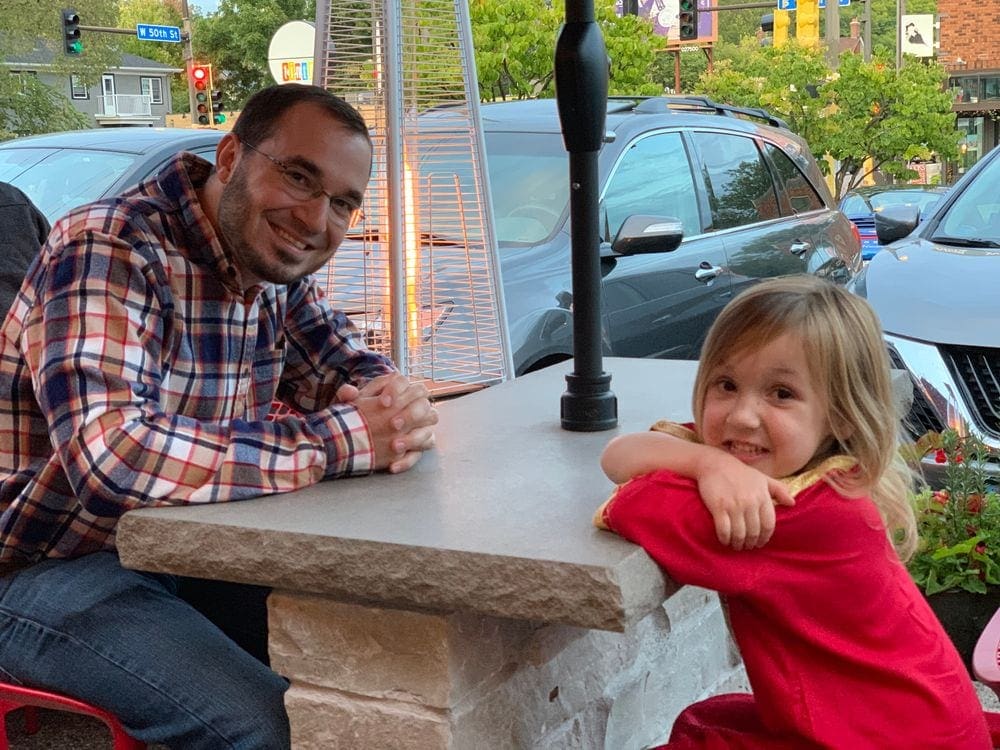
(986, 668)
(13, 697)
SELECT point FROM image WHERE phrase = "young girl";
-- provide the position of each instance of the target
(795, 434)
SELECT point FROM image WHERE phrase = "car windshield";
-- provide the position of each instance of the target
(974, 217)
(529, 180)
(60, 179)
(922, 199)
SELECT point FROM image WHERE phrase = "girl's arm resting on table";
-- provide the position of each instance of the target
(740, 498)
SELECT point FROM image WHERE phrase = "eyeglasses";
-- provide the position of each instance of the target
(301, 185)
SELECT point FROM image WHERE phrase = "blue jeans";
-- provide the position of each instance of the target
(125, 641)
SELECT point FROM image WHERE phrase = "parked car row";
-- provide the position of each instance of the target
(747, 195)
(861, 204)
(748, 202)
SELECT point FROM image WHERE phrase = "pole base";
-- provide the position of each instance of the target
(588, 405)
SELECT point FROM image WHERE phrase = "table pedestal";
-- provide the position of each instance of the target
(372, 677)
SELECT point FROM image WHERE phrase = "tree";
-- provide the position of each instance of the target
(132, 12)
(235, 41)
(515, 48)
(786, 81)
(863, 111)
(888, 116)
(28, 106)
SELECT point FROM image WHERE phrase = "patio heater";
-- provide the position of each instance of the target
(420, 275)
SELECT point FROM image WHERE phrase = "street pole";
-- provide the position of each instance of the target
(188, 54)
(832, 23)
(900, 11)
(581, 77)
(867, 34)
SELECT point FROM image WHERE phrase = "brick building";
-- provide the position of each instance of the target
(970, 51)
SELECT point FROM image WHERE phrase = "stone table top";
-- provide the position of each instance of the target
(495, 521)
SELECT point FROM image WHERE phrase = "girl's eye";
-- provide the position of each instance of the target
(725, 384)
(783, 393)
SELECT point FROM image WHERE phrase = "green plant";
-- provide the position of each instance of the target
(958, 526)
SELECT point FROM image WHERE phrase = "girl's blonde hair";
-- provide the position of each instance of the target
(842, 338)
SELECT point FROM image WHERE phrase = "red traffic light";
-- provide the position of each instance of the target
(202, 76)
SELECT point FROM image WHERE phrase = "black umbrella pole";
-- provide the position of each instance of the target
(581, 73)
(587, 405)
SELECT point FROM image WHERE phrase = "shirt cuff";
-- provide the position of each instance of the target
(347, 441)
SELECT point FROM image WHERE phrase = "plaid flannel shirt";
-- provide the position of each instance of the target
(134, 372)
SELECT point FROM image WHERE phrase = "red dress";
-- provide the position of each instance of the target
(841, 649)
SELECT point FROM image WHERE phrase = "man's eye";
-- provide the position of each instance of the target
(299, 178)
(343, 206)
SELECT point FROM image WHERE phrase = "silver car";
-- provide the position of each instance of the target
(935, 289)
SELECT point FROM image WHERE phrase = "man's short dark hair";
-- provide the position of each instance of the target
(263, 110)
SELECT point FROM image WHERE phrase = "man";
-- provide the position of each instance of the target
(23, 229)
(137, 369)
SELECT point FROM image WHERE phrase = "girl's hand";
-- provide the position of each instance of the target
(741, 500)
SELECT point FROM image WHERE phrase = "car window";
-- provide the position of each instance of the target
(975, 214)
(922, 199)
(802, 196)
(529, 183)
(855, 205)
(741, 189)
(60, 179)
(653, 177)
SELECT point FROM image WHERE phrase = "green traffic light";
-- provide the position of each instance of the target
(219, 118)
(75, 48)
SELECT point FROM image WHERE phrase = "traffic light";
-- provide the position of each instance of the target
(217, 117)
(687, 19)
(72, 44)
(201, 82)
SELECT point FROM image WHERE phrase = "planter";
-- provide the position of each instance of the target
(964, 615)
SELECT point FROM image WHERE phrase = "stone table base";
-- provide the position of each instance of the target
(368, 677)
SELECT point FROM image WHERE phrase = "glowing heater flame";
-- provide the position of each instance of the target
(411, 249)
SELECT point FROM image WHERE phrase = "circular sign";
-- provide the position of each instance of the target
(290, 54)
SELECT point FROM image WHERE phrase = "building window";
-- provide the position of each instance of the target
(77, 88)
(153, 88)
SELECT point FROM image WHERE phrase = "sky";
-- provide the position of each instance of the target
(206, 6)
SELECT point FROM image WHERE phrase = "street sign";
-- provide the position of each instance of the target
(786, 4)
(841, 3)
(148, 32)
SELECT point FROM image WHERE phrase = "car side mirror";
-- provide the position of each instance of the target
(895, 222)
(641, 234)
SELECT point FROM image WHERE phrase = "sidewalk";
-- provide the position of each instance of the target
(63, 731)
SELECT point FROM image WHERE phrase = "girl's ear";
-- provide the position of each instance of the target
(840, 429)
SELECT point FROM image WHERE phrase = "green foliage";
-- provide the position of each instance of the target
(862, 111)
(133, 12)
(235, 41)
(28, 106)
(888, 116)
(515, 43)
(958, 527)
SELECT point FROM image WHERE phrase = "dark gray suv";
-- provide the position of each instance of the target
(747, 192)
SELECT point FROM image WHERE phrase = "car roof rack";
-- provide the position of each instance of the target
(659, 104)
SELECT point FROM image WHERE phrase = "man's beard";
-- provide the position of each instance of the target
(234, 218)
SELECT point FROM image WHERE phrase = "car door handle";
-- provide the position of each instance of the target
(800, 247)
(706, 271)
